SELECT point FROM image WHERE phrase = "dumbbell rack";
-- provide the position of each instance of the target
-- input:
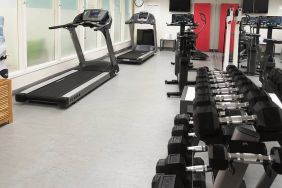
(248, 133)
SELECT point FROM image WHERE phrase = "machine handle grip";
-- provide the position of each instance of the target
(63, 26)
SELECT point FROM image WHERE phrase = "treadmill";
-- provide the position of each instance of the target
(70, 86)
(139, 52)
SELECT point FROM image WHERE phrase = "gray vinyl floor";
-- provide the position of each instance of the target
(110, 139)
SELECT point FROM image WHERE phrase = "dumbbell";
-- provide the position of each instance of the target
(200, 79)
(179, 145)
(219, 158)
(206, 100)
(175, 165)
(166, 181)
(205, 76)
(216, 85)
(229, 69)
(222, 82)
(255, 95)
(275, 76)
(183, 119)
(226, 98)
(275, 80)
(202, 70)
(200, 90)
(188, 134)
(266, 118)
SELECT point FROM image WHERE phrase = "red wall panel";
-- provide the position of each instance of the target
(203, 41)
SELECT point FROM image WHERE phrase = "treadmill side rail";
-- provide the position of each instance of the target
(73, 96)
(146, 56)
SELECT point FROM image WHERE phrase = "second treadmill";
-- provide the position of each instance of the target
(141, 51)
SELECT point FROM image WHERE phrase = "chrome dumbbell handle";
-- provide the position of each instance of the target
(231, 97)
(198, 148)
(223, 85)
(192, 134)
(231, 105)
(238, 119)
(199, 168)
(225, 90)
(249, 158)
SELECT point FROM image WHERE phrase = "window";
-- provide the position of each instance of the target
(40, 40)
(127, 16)
(117, 22)
(9, 9)
(90, 34)
(106, 6)
(69, 10)
(29, 41)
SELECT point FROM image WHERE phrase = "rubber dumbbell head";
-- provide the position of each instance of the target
(269, 116)
(218, 158)
(203, 100)
(231, 68)
(276, 164)
(182, 119)
(182, 130)
(206, 124)
(254, 96)
(166, 181)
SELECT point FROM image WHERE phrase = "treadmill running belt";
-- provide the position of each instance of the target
(60, 87)
(132, 55)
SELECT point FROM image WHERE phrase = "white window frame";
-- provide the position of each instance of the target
(22, 35)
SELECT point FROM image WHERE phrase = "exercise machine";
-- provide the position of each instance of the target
(267, 62)
(67, 88)
(251, 42)
(238, 19)
(229, 20)
(142, 50)
(3, 56)
(186, 41)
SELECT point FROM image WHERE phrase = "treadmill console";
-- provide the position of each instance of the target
(96, 15)
(143, 16)
(186, 18)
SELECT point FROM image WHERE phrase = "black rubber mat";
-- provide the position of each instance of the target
(64, 85)
(132, 55)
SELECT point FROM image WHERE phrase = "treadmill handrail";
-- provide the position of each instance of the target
(84, 23)
(186, 24)
(138, 22)
(69, 25)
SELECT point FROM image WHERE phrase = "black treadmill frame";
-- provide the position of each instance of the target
(106, 73)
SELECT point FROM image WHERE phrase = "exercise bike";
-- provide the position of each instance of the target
(186, 41)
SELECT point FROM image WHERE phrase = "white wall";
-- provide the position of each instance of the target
(164, 16)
